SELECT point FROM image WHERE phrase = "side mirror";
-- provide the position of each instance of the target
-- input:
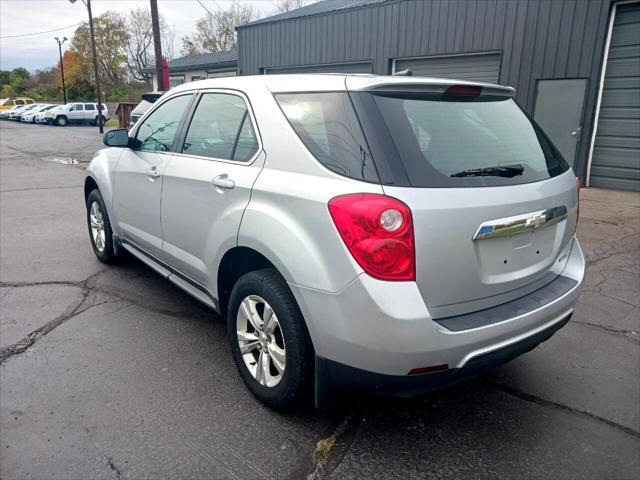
(118, 137)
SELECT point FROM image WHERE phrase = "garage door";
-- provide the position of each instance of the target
(479, 67)
(616, 154)
(359, 67)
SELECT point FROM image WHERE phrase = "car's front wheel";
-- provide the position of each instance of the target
(269, 339)
(62, 121)
(100, 232)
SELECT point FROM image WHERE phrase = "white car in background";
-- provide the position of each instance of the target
(41, 116)
(77, 112)
(30, 115)
(6, 114)
(17, 112)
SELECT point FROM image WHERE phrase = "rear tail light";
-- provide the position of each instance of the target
(378, 232)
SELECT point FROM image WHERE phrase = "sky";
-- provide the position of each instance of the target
(33, 52)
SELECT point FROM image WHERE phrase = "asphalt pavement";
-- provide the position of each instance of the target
(113, 373)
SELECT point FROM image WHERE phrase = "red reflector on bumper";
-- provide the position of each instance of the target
(433, 368)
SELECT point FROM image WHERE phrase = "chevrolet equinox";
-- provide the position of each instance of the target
(391, 234)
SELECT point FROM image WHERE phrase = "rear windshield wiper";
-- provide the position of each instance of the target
(497, 171)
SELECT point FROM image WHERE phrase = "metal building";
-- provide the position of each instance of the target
(575, 64)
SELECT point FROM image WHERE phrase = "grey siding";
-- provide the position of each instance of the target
(363, 67)
(483, 67)
(538, 39)
(616, 154)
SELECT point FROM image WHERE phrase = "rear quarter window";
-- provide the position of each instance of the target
(328, 126)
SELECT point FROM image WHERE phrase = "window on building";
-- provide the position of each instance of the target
(175, 81)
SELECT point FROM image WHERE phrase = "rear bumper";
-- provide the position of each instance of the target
(340, 376)
(385, 328)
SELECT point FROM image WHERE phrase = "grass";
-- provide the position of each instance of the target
(112, 122)
(323, 448)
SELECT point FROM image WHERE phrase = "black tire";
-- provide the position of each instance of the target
(106, 254)
(62, 121)
(298, 368)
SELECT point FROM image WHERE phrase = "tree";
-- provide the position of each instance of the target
(78, 85)
(18, 80)
(288, 5)
(111, 40)
(139, 47)
(215, 32)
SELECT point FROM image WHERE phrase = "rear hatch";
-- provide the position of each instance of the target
(494, 204)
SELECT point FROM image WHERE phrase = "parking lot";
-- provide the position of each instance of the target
(112, 372)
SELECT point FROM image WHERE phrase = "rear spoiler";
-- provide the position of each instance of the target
(448, 88)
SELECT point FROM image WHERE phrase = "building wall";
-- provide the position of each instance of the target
(538, 39)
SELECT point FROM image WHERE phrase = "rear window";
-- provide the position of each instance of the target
(465, 140)
(327, 124)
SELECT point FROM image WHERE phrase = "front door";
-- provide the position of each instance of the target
(76, 113)
(207, 185)
(558, 110)
(138, 178)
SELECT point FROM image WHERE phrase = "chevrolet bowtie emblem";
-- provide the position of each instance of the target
(536, 221)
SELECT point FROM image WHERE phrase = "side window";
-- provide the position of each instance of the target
(19, 102)
(158, 131)
(221, 128)
(29, 102)
(89, 106)
(76, 107)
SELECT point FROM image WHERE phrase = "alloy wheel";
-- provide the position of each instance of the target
(261, 341)
(96, 221)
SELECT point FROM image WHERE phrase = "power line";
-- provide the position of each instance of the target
(40, 33)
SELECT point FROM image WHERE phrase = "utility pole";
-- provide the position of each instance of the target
(95, 62)
(64, 90)
(157, 45)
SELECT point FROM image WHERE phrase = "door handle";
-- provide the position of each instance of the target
(153, 173)
(222, 183)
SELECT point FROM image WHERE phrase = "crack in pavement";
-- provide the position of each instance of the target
(87, 287)
(617, 332)
(113, 467)
(562, 407)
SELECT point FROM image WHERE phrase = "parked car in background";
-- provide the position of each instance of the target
(16, 113)
(148, 99)
(393, 234)
(29, 116)
(41, 116)
(5, 114)
(77, 113)
(11, 102)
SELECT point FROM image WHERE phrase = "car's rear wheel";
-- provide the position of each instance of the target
(100, 232)
(62, 121)
(269, 339)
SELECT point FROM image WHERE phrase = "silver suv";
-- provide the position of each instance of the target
(392, 234)
(76, 113)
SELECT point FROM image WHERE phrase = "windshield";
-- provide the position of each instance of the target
(466, 140)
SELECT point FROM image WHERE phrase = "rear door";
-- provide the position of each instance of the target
(493, 202)
(90, 112)
(207, 184)
(138, 179)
